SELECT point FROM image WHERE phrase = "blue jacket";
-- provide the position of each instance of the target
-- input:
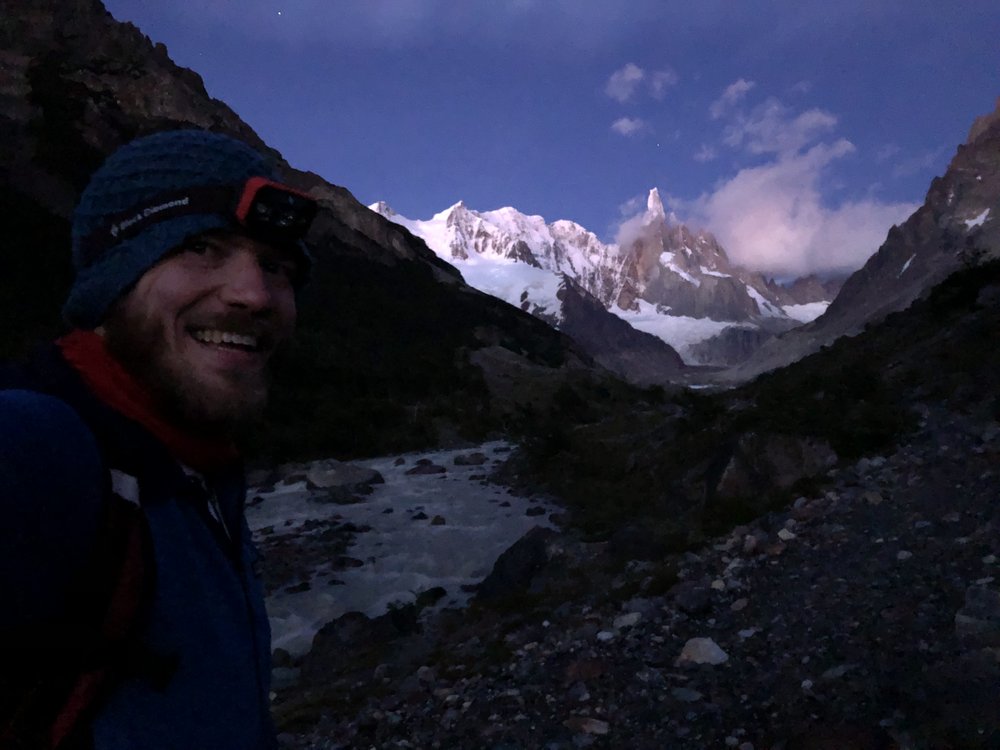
(206, 617)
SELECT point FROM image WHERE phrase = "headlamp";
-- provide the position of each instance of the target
(269, 208)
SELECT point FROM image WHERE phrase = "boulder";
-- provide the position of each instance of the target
(351, 477)
(471, 459)
(758, 464)
(351, 637)
(516, 567)
(978, 622)
(702, 651)
(425, 468)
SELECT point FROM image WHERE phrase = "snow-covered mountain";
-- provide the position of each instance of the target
(516, 257)
(665, 279)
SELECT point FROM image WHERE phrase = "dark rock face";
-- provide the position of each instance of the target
(958, 225)
(471, 459)
(808, 289)
(736, 344)
(759, 465)
(516, 567)
(343, 640)
(634, 355)
(688, 272)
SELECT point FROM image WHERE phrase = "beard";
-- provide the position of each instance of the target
(210, 404)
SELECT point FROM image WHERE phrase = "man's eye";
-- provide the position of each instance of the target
(287, 268)
(198, 248)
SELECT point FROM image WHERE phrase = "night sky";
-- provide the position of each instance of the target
(797, 131)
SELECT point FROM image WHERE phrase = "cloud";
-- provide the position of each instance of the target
(632, 206)
(770, 128)
(623, 83)
(660, 81)
(733, 94)
(887, 152)
(919, 163)
(629, 126)
(705, 154)
(772, 217)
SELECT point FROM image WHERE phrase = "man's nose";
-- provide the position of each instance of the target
(245, 283)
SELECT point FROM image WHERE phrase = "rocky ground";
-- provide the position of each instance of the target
(864, 616)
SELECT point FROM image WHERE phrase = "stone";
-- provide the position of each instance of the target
(515, 568)
(353, 634)
(578, 692)
(978, 622)
(328, 474)
(627, 621)
(739, 605)
(691, 597)
(426, 675)
(586, 725)
(903, 555)
(686, 695)
(760, 463)
(431, 596)
(425, 469)
(471, 459)
(702, 651)
(871, 497)
(438, 521)
(786, 536)
(585, 669)
(835, 673)
(535, 510)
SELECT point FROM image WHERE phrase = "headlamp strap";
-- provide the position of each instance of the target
(233, 202)
(212, 199)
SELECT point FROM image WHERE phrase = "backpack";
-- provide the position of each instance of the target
(54, 683)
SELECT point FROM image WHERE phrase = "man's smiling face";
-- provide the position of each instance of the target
(199, 328)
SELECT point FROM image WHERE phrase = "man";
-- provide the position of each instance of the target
(188, 259)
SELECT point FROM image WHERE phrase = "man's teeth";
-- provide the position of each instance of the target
(225, 337)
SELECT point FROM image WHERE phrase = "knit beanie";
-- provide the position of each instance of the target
(138, 174)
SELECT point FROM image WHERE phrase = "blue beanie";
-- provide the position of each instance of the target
(131, 177)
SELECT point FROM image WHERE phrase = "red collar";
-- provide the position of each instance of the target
(114, 385)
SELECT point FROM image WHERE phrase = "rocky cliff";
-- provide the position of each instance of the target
(958, 225)
(661, 273)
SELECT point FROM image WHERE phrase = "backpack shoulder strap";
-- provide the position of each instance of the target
(51, 708)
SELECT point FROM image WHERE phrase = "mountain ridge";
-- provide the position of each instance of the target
(955, 227)
(663, 270)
